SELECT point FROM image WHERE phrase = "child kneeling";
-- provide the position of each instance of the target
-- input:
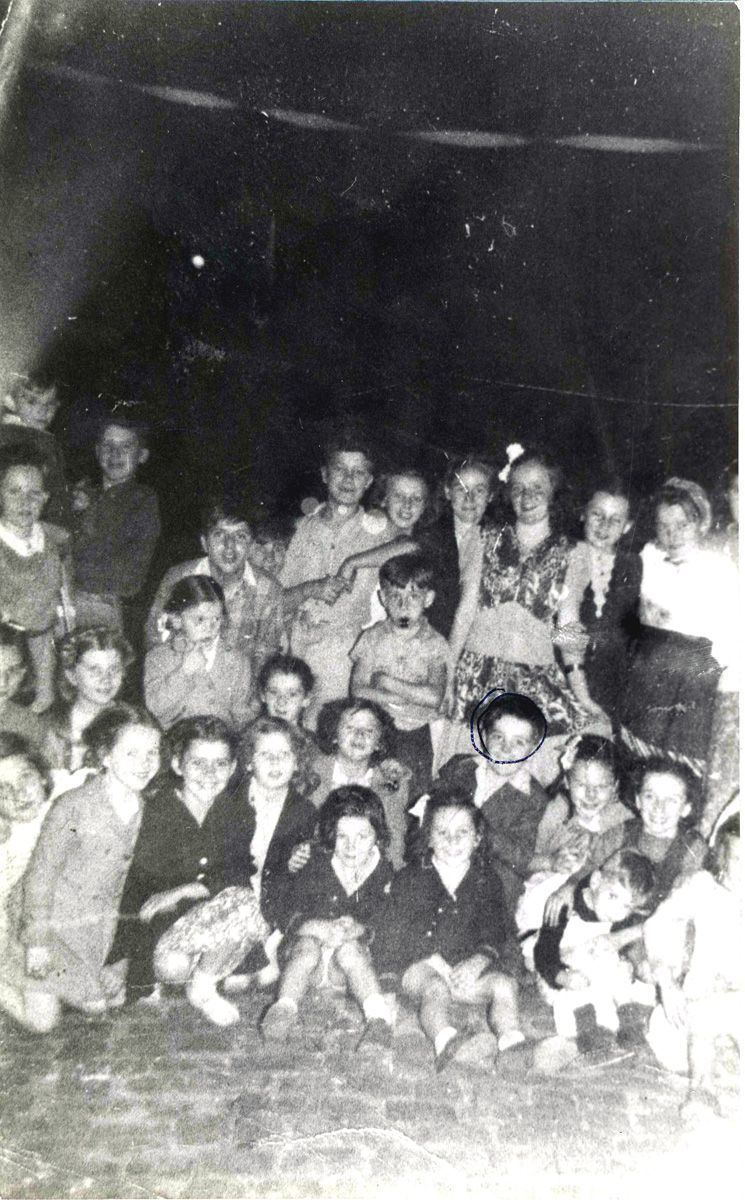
(331, 910)
(448, 933)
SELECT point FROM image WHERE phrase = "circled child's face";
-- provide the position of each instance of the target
(453, 837)
(205, 767)
(22, 791)
(531, 492)
(677, 530)
(405, 501)
(119, 454)
(97, 676)
(201, 623)
(592, 786)
(469, 493)
(135, 757)
(355, 842)
(22, 498)
(347, 477)
(36, 409)
(226, 546)
(11, 672)
(663, 803)
(605, 520)
(285, 697)
(273, 763)
(358, 736)
(508, 742)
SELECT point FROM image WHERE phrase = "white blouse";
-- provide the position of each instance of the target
(696, 597)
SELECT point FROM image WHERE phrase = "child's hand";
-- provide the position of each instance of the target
(331, 588)
(572, 637)
(571, 980)
(165, 901)
(562, 898)
(81, 496)
(194, 662)
(347, 572)
(38, 962)
(299, 858)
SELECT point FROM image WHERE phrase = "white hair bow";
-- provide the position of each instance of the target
(514, 450)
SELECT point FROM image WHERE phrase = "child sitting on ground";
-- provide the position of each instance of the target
(28, 411)
(194, 672)
(700, 986)
(445, 938)
(116, 527)
(578, 960)
(402, 663)
(332, 911)
(17, 686)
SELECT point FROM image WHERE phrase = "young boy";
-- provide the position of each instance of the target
(27, 413)
(253, 598)
(402, 662)
(578, 960)
(329, 612)
(116, 528)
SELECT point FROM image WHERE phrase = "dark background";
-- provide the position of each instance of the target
(451, 296)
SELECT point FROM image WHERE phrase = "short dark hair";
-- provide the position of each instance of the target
(16, 639)
(286, 664)
(511, 704)
(404, 569)
(21, 454)
(104, 731)
(354, 800)
(193, 590)
(140, 429)
(350, 440)
(13, 745)
(659, 765)
(221, 508)
(634, 871)
(332, 713)
(477, 462)
(198, 729)
(443, 796)
(592, 747)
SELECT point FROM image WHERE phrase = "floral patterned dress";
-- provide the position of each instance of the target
(518, 602)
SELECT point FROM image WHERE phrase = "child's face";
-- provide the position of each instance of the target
(592, 786)
(612, 900)
(22, 498)
(201, 623)
(531, 491)
(273, 763)
(509, 741)
(21, 789)
(662, 802)
(469, 494)
(405, 606)
(119, 454)
(358, 736)
(347, 477)
(226, 546)
(36, 409)
(405, 501)
(98, 676)
(355, 842)
(135, 757)
(677, 531)
(11, 672)
(605, 519)
(284, 697)
(453, 837)
(205, 768)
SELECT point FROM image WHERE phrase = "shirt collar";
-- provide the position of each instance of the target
(25, 547)
(203, 568)
(488, 782)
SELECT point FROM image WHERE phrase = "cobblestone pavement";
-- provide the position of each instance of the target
(161, 1104)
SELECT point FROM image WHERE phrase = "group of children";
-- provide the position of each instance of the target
(279, 814)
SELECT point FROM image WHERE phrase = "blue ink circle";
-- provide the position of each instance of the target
(484, 704)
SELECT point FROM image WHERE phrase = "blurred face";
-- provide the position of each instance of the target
(453, 837)
(347, 477)
(36, 409)
(273, 763)
(119, 454)
(405, 501)
(205, 768)
(508, 742)
(22, 498)
(406, 606)
(662, 802)
(677, 531)
(531, 493)
(355, 842)
(201, 623)
(98, 676)
(358, 736)
(605, 520)
(469, 494)
(11, 672)
(134, 758)
(284, 696)
(612, 900)
(21, 789)
(591, 786)
(226, 545)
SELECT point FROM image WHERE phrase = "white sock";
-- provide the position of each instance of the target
(443, 1037)
(376, 1008)
(286, 1002)
(506, 1041)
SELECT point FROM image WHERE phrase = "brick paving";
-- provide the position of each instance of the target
(160, 1104)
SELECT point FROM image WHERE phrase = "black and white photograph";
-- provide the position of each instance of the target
(369, 553)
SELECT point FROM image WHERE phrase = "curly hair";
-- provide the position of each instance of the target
(75, 645)
(13, 745)
(180, 736)
(331, 714)
(351, 801)
(304, 779)
(105, 729)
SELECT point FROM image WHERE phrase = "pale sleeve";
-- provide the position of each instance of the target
(298, 566)
(666, 931)
(57, 843)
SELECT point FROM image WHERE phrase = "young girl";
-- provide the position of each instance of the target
(32, 580)
(74, 881)
(354, 737)
(16, 686)
(92, 666)
(446, 932)
(700, 988)
(333, 909)
(194, 672)
(24, 788)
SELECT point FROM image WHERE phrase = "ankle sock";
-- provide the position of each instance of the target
(513, 1037)
(443, 1037)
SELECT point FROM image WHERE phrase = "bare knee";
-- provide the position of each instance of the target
(173, 967)
(306, 950)
(502, 987)
(350, 955)
(41, 1013)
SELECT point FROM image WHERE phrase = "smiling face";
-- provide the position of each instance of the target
(405, 501)
(347, 477)
(592, 786)
(22, 498)
(12, 671)
(677, 531)
(531, 492)
(119, 454)
(226, 545)
(605, 520)
(285, 697)
(205, 768)
(273, 763)
(469, 493)
(134, 758)
(453, 837)
(663, 803)
(97, 677)
(22, 791)
(508, 741)
(200, 623)
(358, 737)
(355, 842)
